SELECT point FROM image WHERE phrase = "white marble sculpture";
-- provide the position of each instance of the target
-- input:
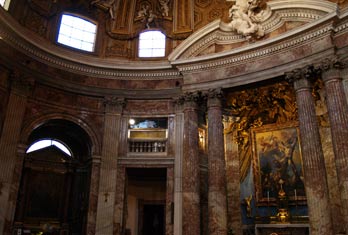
(246, 16)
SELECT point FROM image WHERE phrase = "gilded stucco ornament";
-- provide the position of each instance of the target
(105, 5)
(246, 17)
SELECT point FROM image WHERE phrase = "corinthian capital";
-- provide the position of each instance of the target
(306, 72)
(329, 64)
(190, 97)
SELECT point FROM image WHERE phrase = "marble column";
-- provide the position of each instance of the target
(93, 196)
(338, 116)
(344, 74)
(190, 167)
(234, 213)
(217, 200)
(107, 189)
(21, 88)
(312, 154)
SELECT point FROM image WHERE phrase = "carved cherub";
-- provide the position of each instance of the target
(105, 4)
(164, 7)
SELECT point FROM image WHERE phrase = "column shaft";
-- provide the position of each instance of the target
(338, 116)
(217, 200)
(313, 161)
(190, 170)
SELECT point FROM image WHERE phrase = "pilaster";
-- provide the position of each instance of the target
(234, 218)
(312, 154)
(93, 196)
(108, 172)
(21, 88)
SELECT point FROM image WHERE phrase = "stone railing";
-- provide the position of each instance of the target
(147, 146)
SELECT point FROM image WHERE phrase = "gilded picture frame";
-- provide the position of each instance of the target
(277, 162)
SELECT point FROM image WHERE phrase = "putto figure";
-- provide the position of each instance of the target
(246, 16)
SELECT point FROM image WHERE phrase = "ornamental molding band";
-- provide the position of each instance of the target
(318, 18)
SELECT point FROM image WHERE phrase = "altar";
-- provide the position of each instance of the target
(282, 229)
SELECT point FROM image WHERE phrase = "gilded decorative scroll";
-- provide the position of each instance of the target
(251, 108)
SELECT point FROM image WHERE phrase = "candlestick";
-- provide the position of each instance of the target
(295, 195)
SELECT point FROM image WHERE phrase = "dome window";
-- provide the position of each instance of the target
(77, 33)
(46, 143)
(5, 4)
(152, 44)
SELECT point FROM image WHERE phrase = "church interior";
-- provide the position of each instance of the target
(174, 117)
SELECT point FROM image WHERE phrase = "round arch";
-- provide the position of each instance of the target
(30, 127)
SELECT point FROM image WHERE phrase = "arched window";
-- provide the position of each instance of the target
(5, 4)
(49, 142)
(77, 32)
(152, 44)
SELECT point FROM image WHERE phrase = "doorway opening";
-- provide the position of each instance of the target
(146, 201)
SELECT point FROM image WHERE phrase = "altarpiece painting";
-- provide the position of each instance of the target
(277, 162)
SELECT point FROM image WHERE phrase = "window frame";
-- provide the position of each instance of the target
(152, 57)
(82, 17)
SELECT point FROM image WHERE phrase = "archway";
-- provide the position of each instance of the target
(54, 189)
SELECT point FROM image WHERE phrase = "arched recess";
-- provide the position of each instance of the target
(95, 144)
(55, 188)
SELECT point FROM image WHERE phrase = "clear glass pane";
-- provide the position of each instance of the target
(74, 31)
(61, 147)
(158, 52)
(64, 39)
(39, 145)
(149, 41)
(46, 143)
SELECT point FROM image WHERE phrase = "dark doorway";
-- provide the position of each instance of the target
(153, 220)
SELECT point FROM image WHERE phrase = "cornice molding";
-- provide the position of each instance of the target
(320, 15)
(258, 50)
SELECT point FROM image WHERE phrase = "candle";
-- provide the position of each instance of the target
(267, 196)
(295, 195)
